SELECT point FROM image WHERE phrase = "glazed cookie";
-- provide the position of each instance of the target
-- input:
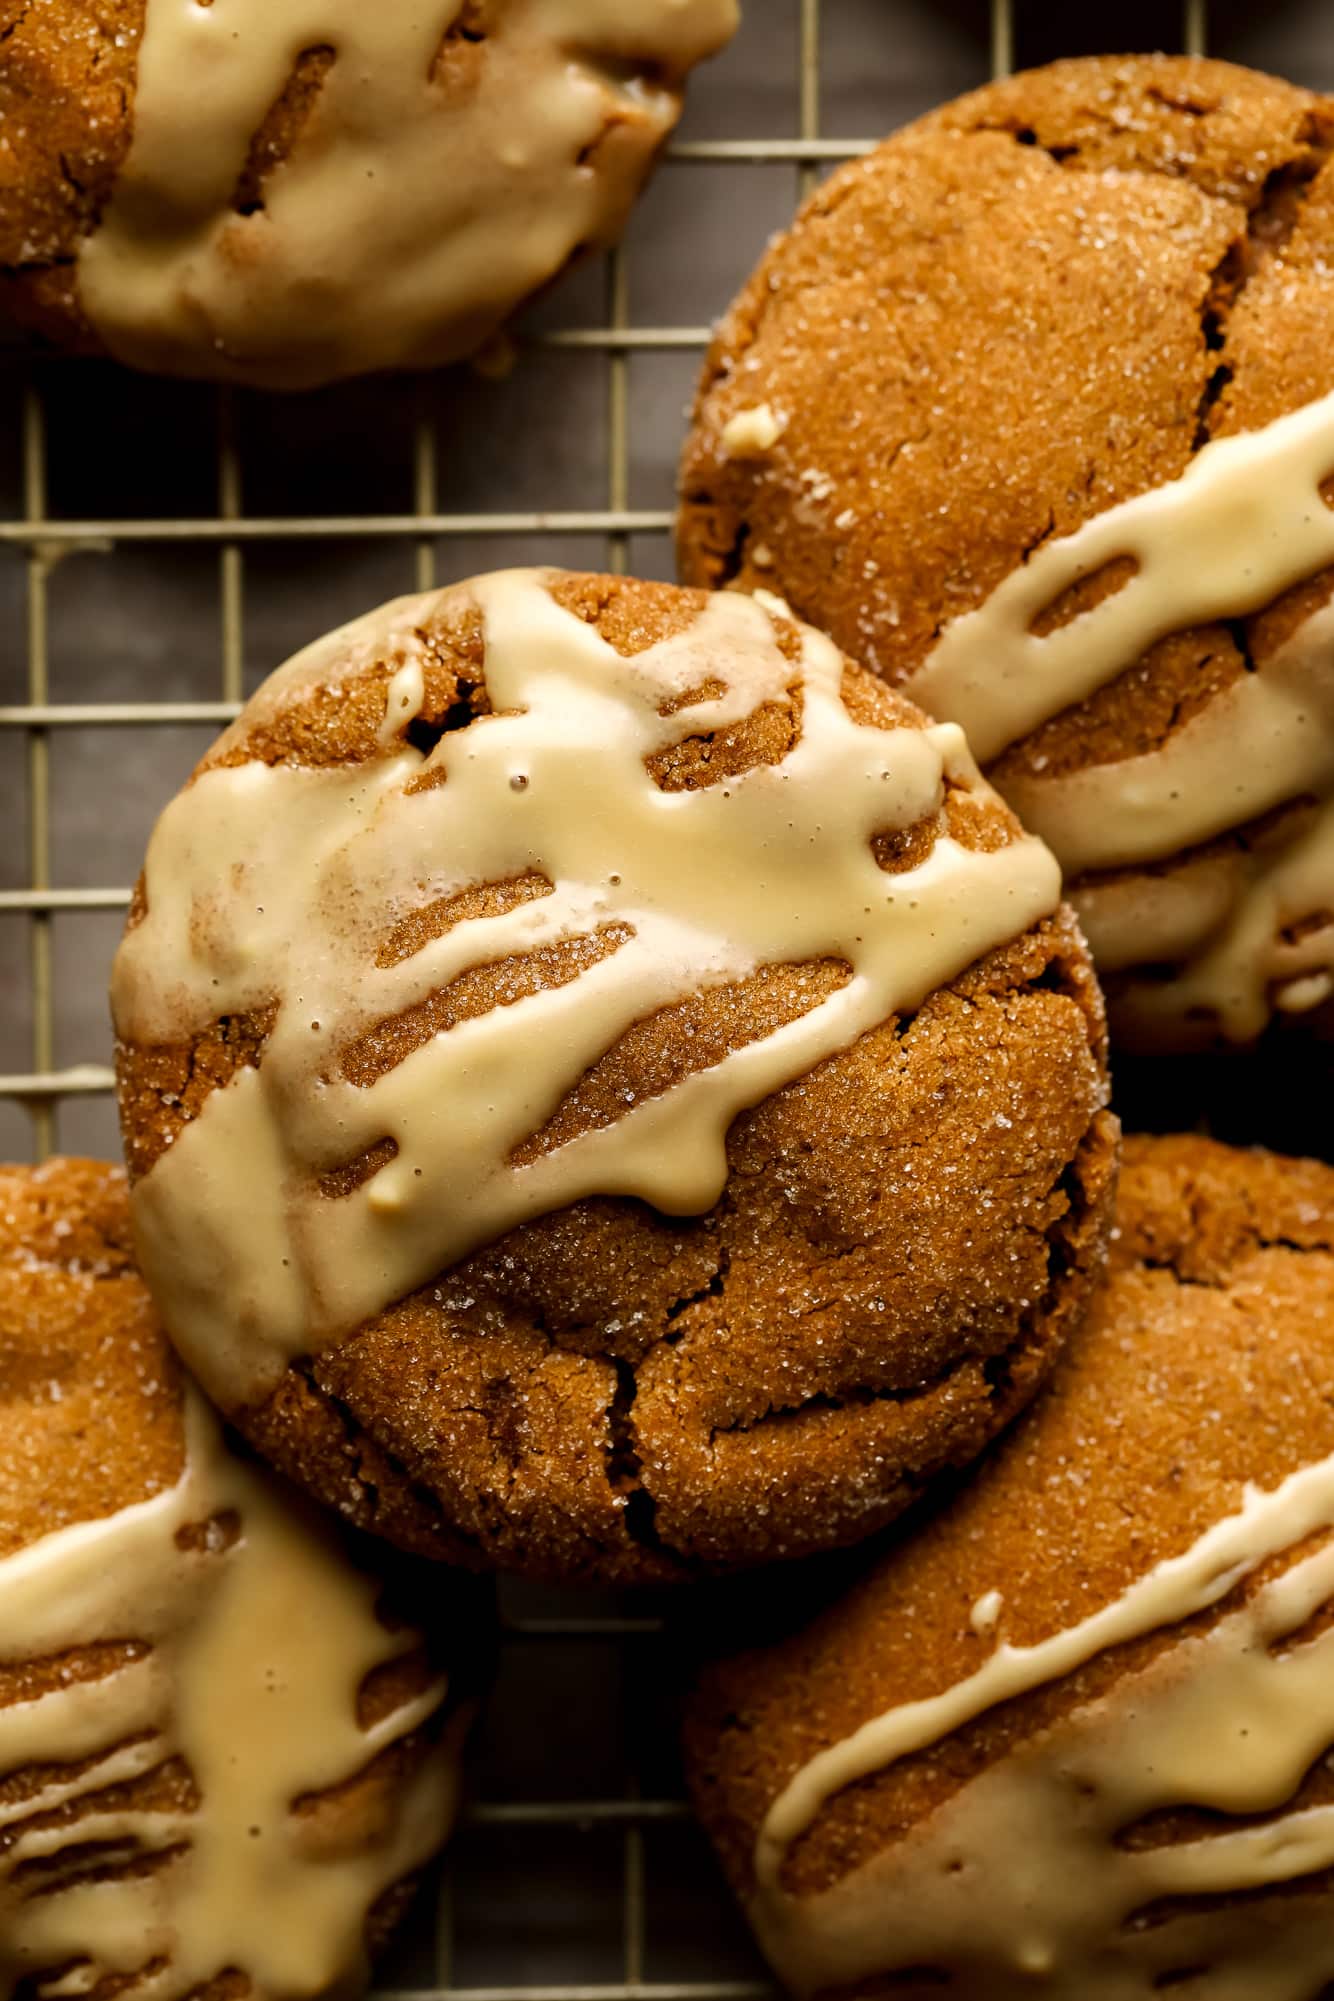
(1072, 1737)
(223, 1756)
(281, 195)
(1033, 411)
(609, 1089)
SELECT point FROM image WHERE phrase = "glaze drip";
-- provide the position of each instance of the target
(1230, 1722)
(680, 889)
(1244, 523)
(253, 1647)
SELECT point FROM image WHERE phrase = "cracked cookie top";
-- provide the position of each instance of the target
(281, 195)
(1072, 1735)
(483, 1014)
(259, 1788)
(1011, 412)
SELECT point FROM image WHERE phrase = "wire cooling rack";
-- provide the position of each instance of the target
(163, 546)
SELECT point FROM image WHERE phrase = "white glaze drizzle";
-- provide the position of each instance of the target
(774, 866)
(1265, 739)
(984, 1615)
(258, 1651)
(1257, 955)
(1228, 1722)
(411, 216)
(1244, 523)
(751, 432)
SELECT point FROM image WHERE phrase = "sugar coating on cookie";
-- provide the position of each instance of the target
(283, 195)
(1052, 449)
(220, 1764)
(1116, 1781)
(529, 932)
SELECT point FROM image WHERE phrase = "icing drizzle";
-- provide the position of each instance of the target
(1243, 524)
(680, 889)
(254, 1651)
(416, 207)
(1230, 1722)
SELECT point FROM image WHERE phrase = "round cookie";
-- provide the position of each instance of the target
(1033, 411)
(224, 1751)
(1071, 1736)
(629, 1080)
(285, 195)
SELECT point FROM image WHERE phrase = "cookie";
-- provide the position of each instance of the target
(1033, 410)
(610, 1092)
(225, 1752)
(1071, 1736)
(281, 199)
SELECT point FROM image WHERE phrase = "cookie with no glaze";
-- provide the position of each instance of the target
(630, 1082)
(1032, 409)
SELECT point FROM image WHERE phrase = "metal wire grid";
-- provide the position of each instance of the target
(429, 1967)
(46, 540)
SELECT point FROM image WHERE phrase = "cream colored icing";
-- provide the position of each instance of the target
(413, 212)
(1309, 991)
(1260, 956)
(1019, 1883)
(258, 1649)
(1244, 523)
(751, 433)
(708, 885)
(984, 1616)
(1265, 739)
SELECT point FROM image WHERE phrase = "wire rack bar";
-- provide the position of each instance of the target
(41, 534)
(39, 774)
(424, 494)
(39, 1088)
(103, 715)
(635, 1990)
(574, 1813)
(1002, 37)
(582, 1629)
(799, 152)
(63, 899)
(629, 339)
(231, 605)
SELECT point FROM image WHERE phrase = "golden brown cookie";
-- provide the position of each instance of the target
(224, 1753)
(652, 1129)
(1093, 1689)
(282, 200)
(950, 418)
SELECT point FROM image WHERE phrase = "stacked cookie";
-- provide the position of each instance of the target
(1071, 1736)
(612, 1092)
(1034, 409)
(1031, 411)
